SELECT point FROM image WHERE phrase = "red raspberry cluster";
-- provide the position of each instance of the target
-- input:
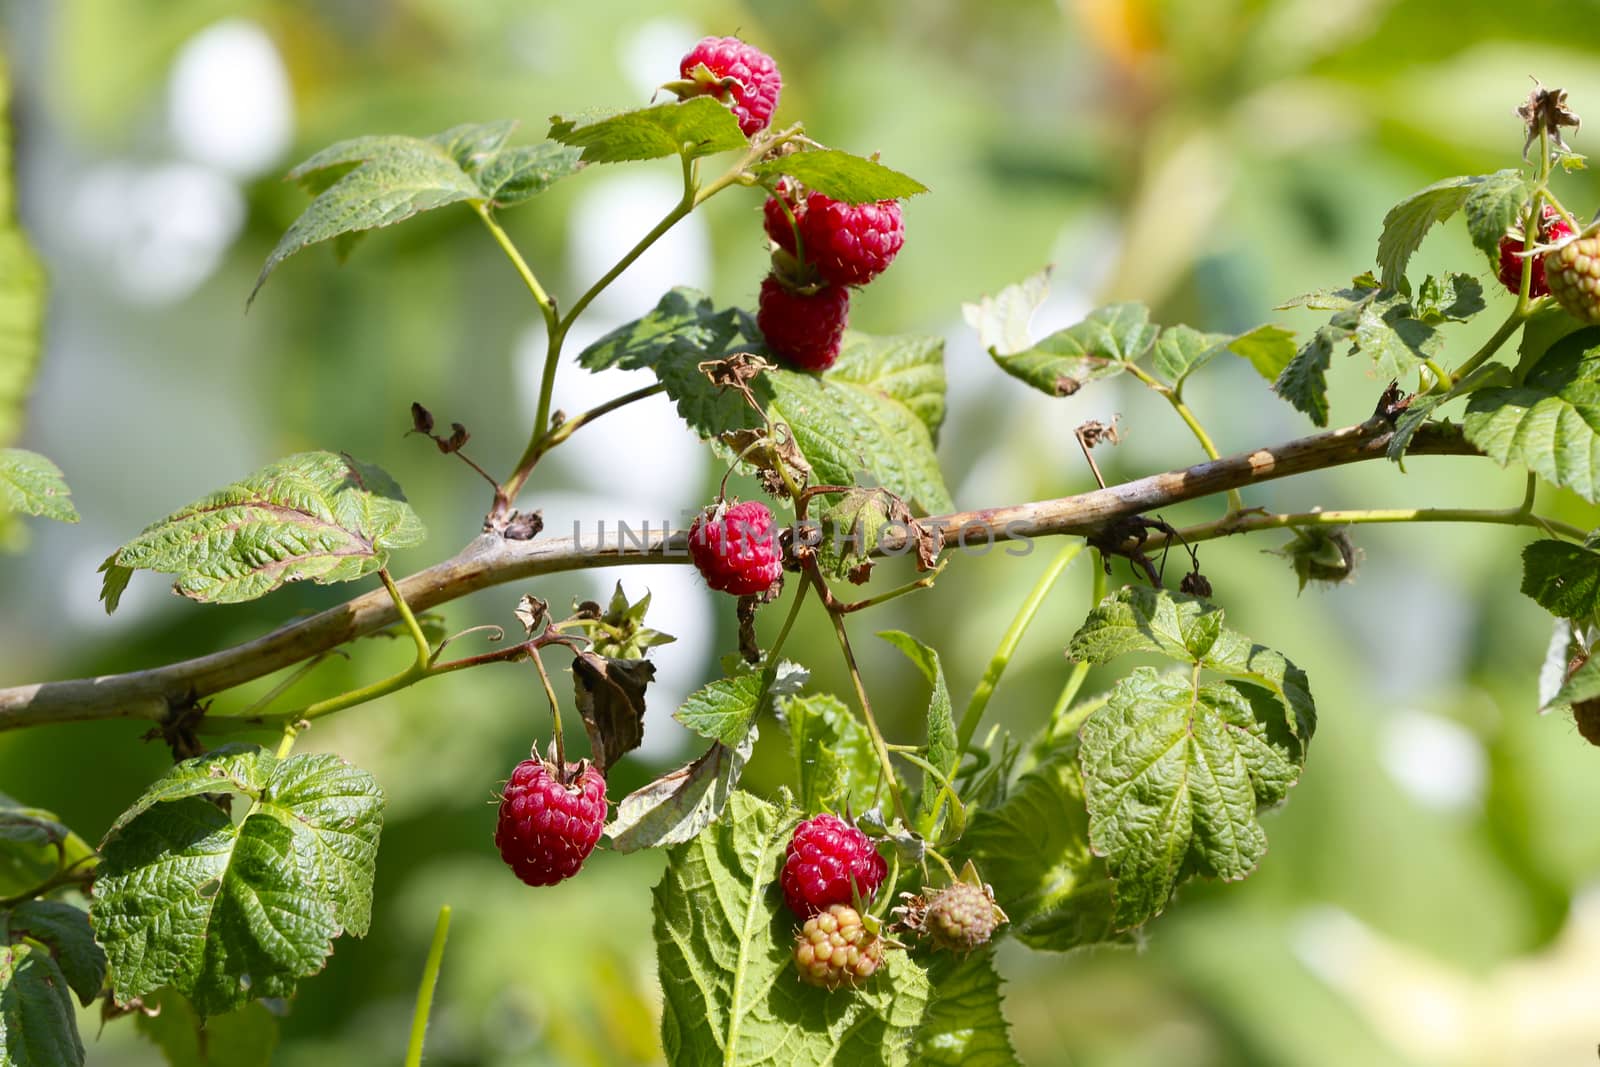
(549, 820)
(1552, 230)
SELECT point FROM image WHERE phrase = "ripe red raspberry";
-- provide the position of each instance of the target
(1573, 274)
(743, 77)
(737, 552)
(804, 330)
(850, 244)
(547, 829)
(826, 854)
(835, 948)
(1553, 229)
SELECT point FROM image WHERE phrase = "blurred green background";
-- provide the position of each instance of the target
(1431, 895)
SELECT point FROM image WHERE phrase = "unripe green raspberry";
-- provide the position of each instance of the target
(961, 917)
(835, 948)
(1573, 273)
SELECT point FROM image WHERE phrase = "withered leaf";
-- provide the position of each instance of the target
(609, 694)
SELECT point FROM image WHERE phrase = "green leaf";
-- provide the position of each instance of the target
(246, 1037)
(409, 177)
(1182, 350)
(1361, 287)
(1002, 319)
(1564, 578)
(964, 1026)
(32, 485)
(1034, 849)
(681, 803)
(834, 761)
(1100, 346)
(850, 530)
(1304, 381)
(724, 943)
(64, 930)
(1387, 333)
(34, 846)
(474, 144)
(698, 126)
(1409, 221)
(943, 752)
(1189, 630)
(1452, 298)
(1495, 206)
(1268, 348)
(840, 175)
(1174, 774)
(519, 174)
(315, 515)
(724, 709)
(38, 1025)
(869, 420)
(1583, 685)
(226, 912)
(1551, 423)
(22, 291)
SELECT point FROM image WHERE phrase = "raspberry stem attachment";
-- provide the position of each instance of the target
(555, 711)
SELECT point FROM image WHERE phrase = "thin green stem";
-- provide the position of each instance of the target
(418, 638)
(430, 979)
(1512, 324)
(525, 272)
(788, 623)
(1009, 641)
(1080, 670)
(555, 710)
(61, 879)
(291, 732)
(876, 734)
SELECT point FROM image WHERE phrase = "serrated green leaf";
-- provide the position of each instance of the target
(834, 761)
(343, 156)
(518, 174)
(1174, 775)
(22, 290)
(34, 846)
(869, 420)
(1361, 287)
(32, 485)
(63, 929)
(680, 804)
(698, 126)
(943, 751)
(1452, 298)
(1563, 578)
(227, 912)
(38, 1025)
(1494, 206)
(1034, 849)
(1408, 222)
(724, 709)
(1268, 348)
(1551, 423)
(474, 144)
(724, 944)
(1387, 334)
(1100, 346)
(1304, 381)
(964, 1026)
(850, 529)
(1189, 630)
(841, 175)
(1002, 319)
(315, 515)
(410, 177)
(1182, 350)
(246, 1037)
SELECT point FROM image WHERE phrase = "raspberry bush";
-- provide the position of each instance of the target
(826, 919)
